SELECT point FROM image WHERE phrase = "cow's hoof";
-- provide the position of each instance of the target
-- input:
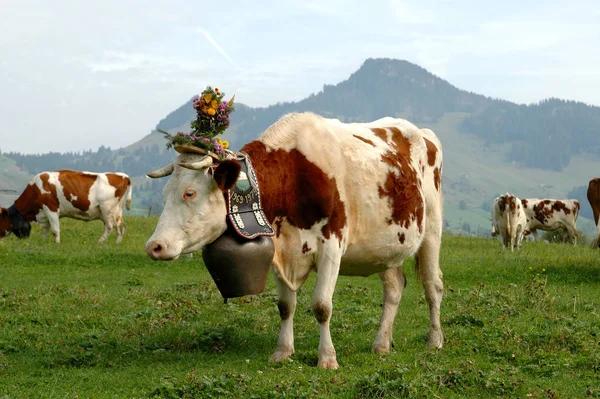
(281, 355)
(328, 364)
(436, 340)
(380, 349)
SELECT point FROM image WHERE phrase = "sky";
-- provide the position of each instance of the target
(75, 75)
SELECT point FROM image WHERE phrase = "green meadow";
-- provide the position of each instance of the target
(84, 320)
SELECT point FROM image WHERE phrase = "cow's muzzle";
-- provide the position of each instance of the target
(158, 250)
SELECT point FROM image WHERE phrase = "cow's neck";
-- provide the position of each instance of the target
(267, 176)
(27, 205)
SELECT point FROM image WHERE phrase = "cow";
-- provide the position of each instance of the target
(508, 220)
(550, 214)
(344, 199)
(593, 196)
(50, 196)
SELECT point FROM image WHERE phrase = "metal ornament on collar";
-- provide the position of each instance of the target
(244, 208)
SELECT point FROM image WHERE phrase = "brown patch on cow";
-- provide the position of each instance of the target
(5, 224)
(381, 133)
(542, 212)
(30, 202)
(431, 152)
(561, 206)
(401, 238)
(284, 310)
(277, 225)
(294, 188)
(502, 203)
(524, 202)
(402, 184)
(437, 178)
(120, 183)
(593, 196)
(321, 312)
(305, 248)
(76, 188)
(364, 140)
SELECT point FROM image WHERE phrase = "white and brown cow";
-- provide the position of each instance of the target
(593, 196)
(350, 199)
(508, 220)
(551, 214)
(66, 193)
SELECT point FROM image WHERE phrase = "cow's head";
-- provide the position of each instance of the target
(194, 211)
(11, 221)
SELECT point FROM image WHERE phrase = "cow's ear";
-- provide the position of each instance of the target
(227, 173)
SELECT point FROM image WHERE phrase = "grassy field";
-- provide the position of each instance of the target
(83, 320)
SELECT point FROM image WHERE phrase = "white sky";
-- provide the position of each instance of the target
(75, 75)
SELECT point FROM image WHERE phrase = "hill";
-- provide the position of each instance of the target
(491, 146)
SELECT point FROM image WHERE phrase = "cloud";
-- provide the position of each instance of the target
(220, 49)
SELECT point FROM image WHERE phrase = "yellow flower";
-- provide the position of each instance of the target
(219, 140)
(231, 101)
(226, 144)
(211, 111)
(214, 104)
(207, 98)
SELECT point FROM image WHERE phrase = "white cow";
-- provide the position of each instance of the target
(550, 214)
(351, 199)
(508, 220)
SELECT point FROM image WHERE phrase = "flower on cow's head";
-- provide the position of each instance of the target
(212, 119)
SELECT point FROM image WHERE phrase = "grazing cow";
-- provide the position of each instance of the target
(349, 199)
(508, 220)
(550, 214)
(66, 193)
(593, 196)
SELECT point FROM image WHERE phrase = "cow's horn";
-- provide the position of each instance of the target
(162, 172)
(204, 163)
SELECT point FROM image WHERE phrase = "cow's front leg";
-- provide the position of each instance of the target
(394, 281)
(45, 230)
(322, 305)
(287, 308)
(108, 227)
(54, 225)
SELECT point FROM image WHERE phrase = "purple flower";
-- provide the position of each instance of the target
(195, 99)
(218, 148)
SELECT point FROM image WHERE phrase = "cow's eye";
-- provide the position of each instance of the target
(189, 194)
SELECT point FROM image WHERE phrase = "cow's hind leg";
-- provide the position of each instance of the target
(120, 229)
(431, 276)
(394, 282)
(287, 308)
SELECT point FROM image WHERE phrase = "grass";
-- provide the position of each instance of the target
(85, 320)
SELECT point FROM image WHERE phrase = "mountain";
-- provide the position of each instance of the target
(491, 146)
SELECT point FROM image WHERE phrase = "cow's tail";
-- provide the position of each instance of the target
(129, 194)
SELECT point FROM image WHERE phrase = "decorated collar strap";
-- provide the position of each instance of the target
(20, 227)
(244, 208)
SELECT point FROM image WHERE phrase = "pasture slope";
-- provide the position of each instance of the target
(85, 320)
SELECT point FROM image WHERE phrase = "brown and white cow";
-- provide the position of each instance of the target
(350, 199)
(593, 196)
(66, 193)
(508, 220)
(550, 214)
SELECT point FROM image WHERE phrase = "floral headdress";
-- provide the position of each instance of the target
(212, 119)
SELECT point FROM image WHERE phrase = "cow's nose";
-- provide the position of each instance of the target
(155, 250)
